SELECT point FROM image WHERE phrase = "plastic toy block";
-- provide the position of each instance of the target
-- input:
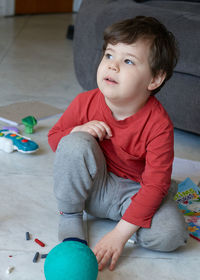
(29, 123)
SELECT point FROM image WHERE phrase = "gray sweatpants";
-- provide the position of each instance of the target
(81, 182)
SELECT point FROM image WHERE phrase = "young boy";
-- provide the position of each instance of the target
(114, 146)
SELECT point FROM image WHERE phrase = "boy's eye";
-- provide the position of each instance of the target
(108, 56)
(128, 61)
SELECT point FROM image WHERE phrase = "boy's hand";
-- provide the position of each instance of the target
(98, 129)
(108, 249)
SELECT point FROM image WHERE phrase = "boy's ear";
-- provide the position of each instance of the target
(157, 81)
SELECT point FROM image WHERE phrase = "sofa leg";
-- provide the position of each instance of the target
(70, 32)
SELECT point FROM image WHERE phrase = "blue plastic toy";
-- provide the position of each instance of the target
(71, 260)
(10, 141)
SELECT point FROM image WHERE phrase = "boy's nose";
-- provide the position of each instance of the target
(113, 66)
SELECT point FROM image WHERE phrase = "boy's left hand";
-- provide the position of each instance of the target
(108, 249)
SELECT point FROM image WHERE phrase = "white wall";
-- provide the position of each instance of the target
(1, 7)
(76, 5)
(7, 7)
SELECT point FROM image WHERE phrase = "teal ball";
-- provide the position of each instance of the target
(71, 260)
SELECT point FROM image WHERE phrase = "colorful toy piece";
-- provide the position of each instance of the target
(10, 141)
(29, 123)
(71, 260)
(39, 242)
(188, 201)
(12, 128)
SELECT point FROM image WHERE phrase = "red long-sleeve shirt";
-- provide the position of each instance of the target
(140, 149)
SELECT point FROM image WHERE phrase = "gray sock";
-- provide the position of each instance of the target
(71, 225)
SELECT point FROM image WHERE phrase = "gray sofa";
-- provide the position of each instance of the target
(181, 94)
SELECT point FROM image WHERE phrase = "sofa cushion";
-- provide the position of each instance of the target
(186, 28)
(141, 1)
(176, 5)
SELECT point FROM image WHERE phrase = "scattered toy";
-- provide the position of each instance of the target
(11, 128)
(35, 259)
(131, 241)
(43, 256)
(29, 123)
(10, 269)
(39, 242)
(13, 141)
(188, 200)
(27, 236)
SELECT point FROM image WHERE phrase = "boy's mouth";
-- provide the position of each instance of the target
(110, 80)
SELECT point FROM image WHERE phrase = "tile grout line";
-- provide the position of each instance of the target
(12, 41)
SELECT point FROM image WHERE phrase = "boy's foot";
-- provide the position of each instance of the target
(71, 225)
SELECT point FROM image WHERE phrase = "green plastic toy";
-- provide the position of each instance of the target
(71, 260)
(29, 123)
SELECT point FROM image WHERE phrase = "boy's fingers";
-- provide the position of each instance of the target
(96, 128)
(107, 128)
(113, 261)
(99, 256)
(105, 259)
(91, 131)
(100, 132)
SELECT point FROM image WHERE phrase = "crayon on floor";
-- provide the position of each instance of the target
(36, 257)
(39, 242)
(43, 256)
(27, 236)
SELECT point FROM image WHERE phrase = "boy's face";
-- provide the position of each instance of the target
(124, 76)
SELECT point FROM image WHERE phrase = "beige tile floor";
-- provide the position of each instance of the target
(36, 63)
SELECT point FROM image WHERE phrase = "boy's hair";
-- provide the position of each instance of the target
(163, 49)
